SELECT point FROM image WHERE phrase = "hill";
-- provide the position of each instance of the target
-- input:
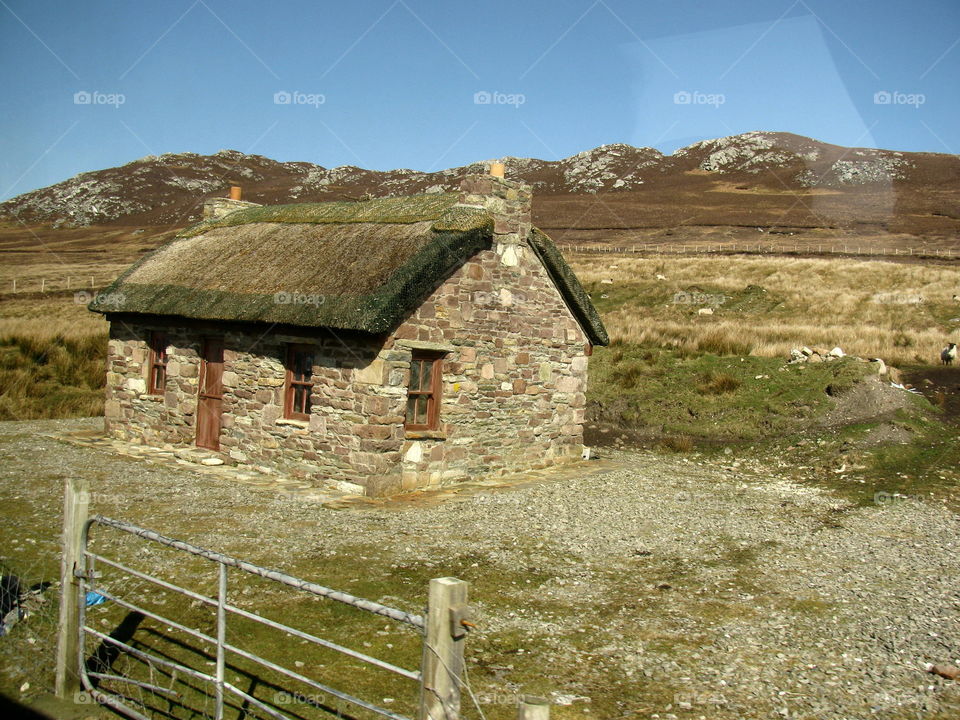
(722, 189)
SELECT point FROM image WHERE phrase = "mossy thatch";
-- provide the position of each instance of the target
(578, 300)
(354, 266)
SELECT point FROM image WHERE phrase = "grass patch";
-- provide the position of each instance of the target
(718, 383)
(710, 398)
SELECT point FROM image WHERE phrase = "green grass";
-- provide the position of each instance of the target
(708, 397)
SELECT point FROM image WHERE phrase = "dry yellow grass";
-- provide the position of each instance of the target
(903, 313)
(49, 317)
(52, 359)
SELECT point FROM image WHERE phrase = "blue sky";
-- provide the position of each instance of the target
(429, 84)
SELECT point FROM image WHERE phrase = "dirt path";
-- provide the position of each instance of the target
(664, 586)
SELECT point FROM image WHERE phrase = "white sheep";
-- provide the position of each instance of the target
(949, 354)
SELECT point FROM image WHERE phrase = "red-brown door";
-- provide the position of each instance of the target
(210, 395)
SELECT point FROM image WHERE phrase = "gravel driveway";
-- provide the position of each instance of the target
(663, 586)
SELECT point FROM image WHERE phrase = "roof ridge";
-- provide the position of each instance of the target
(399, 210)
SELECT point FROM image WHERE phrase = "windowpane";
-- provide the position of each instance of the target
(415, 372)
(302, 365)
(299, 382)
(426, 368)
(301, 399)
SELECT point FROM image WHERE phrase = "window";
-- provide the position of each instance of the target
(158, 363)
(299, 382)
(423, 392)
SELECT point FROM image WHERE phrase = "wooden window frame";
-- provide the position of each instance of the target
(157, 367)
(291, 384)
(433, 393)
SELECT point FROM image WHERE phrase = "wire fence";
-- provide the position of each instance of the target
(842, 249)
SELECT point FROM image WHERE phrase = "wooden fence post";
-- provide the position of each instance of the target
(76, 502)
(442, 663)
(533, 708)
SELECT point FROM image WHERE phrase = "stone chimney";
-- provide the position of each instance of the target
(508, 201)
(216, 208)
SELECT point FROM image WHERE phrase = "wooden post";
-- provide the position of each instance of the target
(76, 501)
(442, 663)
(533, 708)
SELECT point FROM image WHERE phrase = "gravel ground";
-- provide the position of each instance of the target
(653, 585)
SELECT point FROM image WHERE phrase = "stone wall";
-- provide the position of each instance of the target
(343, 440)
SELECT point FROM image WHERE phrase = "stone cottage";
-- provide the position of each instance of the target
(385, 345)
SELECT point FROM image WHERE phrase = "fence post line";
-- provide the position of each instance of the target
(76, 503)
(533, 708)
(442, 663)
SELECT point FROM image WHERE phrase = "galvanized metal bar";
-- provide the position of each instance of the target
(271, 711)
(221, 635)
(281, 577)
(131, 681)
(313, 683)
(160, 618)
(363, 657)
(150, 578)
(82, 584)
(147, 657)
(112, 702)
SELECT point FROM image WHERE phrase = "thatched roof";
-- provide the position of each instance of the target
(358, 266)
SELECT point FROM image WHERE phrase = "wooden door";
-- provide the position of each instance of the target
(210, 394)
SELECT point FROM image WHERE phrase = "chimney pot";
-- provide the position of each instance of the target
(235, 192)
(497, 169)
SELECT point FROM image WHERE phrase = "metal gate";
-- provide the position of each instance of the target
(441, 630)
